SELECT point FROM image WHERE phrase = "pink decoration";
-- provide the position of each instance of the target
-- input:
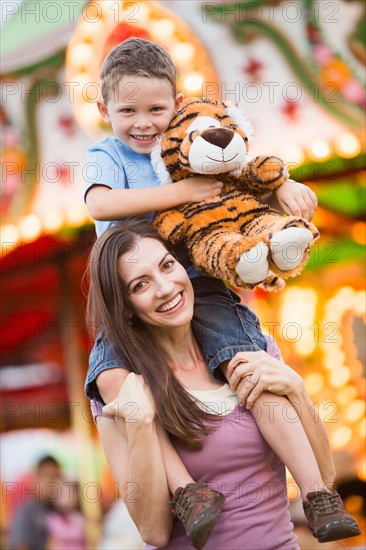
(10, 137)
(353, 91)
(322, 54)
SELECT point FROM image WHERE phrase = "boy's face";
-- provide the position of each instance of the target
(139, 110)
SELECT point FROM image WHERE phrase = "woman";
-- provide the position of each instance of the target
(142, 298)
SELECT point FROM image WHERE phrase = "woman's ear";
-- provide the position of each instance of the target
(103, 109)
(128, 315)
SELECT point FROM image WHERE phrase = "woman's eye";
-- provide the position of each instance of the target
(139, 286)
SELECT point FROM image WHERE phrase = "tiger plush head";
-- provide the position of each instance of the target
(204, 137)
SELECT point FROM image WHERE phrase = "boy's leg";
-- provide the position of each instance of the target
(176, 473)
(222, 325)
(281, 427)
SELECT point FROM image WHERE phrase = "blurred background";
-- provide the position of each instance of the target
(298, 69)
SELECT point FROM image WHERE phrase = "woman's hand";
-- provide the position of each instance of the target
(134, 402)
(253, 372)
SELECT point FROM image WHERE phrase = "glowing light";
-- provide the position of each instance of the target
(93, 11)
(360, 302)
(292, 491)
(163, 27)
(183, 52)
(346, 293)
(53, 220)
(293, 154)
(76, 214)
(358, 232)
(9, 236)
(355, 410)
(341, 437)
(320, 149)
(193, 81)
(30, 227)
(347, 145)
(361, 469)
(362, 428)
(354, 503)
(299, 305)
(334, 359)
(81, 55)
(339, 377)
(89, 30)
(346, 395)
(89, 114)
(141, 12)
(314, 383)
(83, 79)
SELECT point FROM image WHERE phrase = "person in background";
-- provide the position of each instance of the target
(65, 522)
(29, 530)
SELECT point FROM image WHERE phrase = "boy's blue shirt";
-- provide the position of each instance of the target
(111, 163)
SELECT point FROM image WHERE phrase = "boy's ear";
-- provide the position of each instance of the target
(178, 99)
(103, 109)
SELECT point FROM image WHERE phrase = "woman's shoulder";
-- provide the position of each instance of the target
(109, 382)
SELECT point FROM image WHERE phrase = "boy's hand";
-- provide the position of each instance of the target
(199, 188)
(297, 199)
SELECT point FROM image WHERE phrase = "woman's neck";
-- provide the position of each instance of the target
(186, 359)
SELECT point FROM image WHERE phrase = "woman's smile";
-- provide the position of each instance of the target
(173, 305)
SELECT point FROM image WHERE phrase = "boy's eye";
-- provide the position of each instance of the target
(126, 110)
(156, 109)
(168, 265)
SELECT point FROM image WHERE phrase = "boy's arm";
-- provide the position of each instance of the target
(293, 198)
(106, 204)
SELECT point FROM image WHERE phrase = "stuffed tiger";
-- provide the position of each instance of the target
(232, 236)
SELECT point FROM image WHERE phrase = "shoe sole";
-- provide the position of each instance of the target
(204, 527)
(337, 530)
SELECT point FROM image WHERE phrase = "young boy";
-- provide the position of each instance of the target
(139, 98)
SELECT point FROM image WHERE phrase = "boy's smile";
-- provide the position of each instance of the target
(139, 110)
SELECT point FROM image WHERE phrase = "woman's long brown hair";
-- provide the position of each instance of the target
(107, 311)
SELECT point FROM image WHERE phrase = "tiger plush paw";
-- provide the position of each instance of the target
(253, 266)
(288, 247)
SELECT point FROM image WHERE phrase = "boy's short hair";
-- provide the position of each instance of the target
(136, 57)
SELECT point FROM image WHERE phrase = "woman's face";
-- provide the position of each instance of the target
(159, 288)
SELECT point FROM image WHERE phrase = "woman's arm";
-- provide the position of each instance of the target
(133, 453)
(269, 374)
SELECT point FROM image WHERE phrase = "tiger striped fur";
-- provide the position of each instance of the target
(219, 230)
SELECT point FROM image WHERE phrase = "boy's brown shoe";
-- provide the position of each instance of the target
(198, 507)
(328, 520)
